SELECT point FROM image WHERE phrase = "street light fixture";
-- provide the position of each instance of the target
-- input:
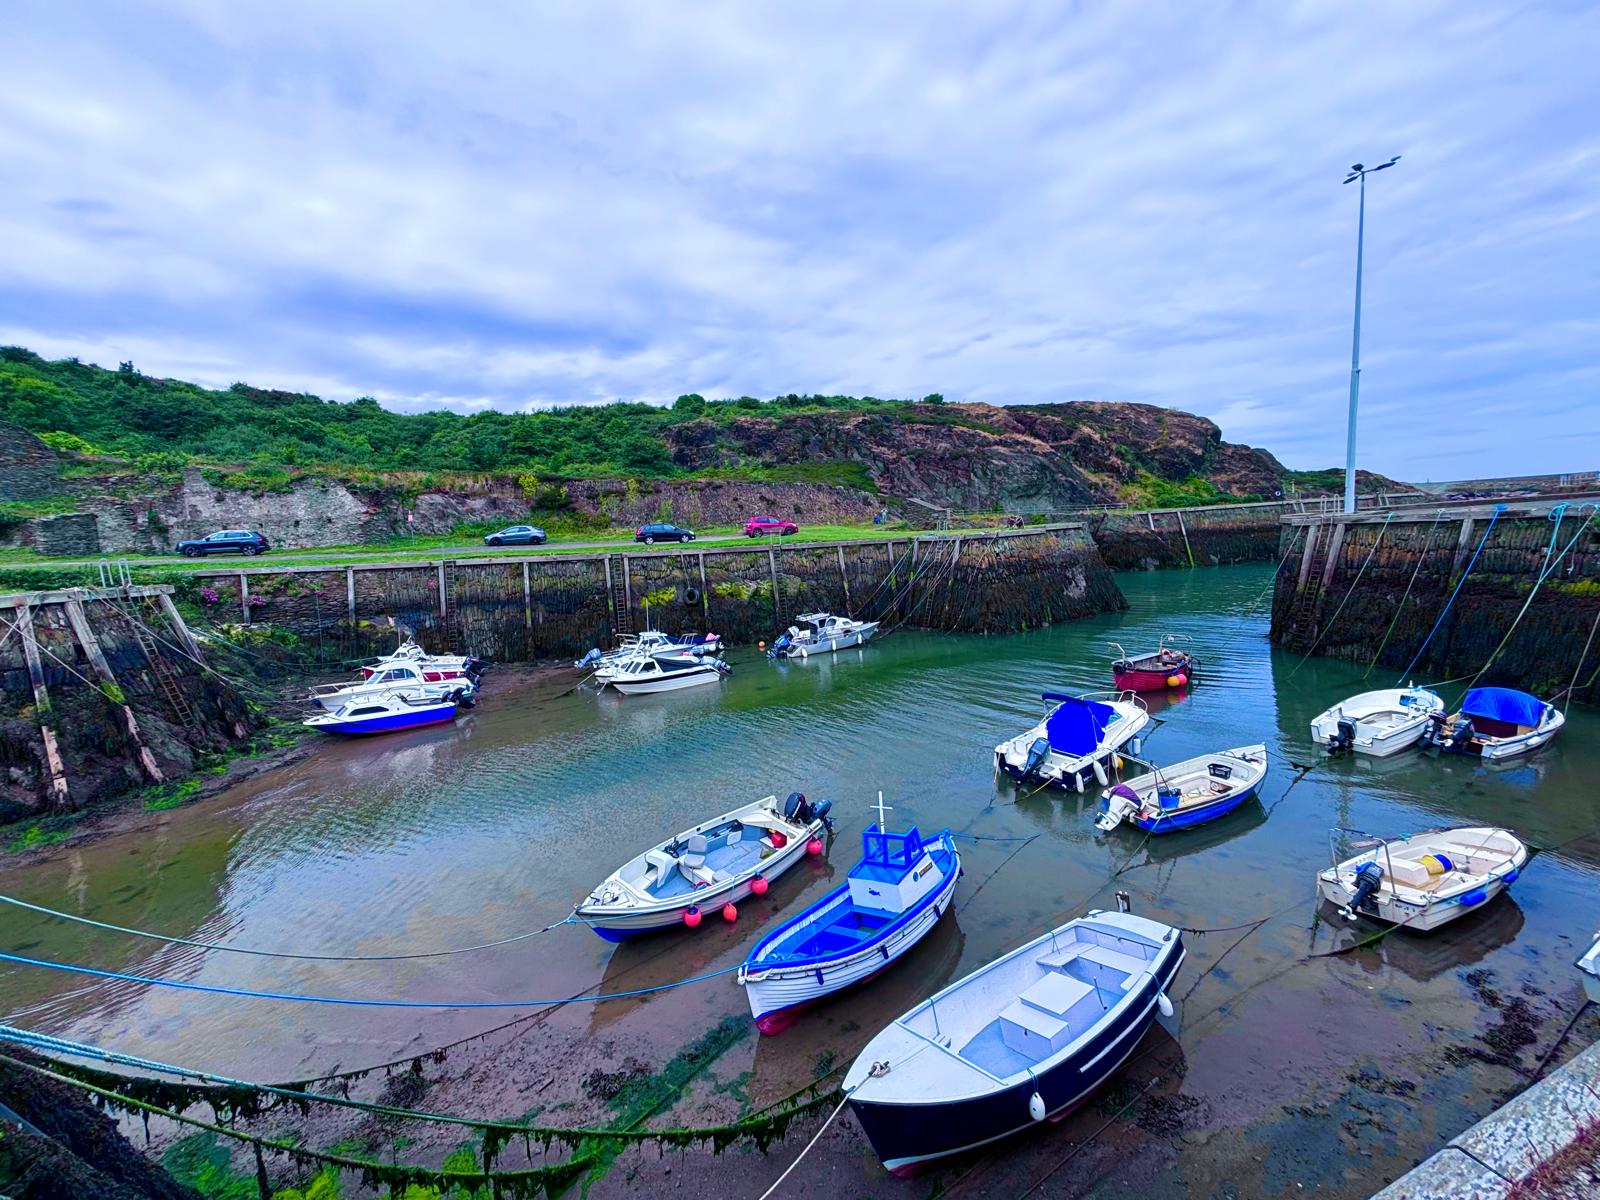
(1357, 172)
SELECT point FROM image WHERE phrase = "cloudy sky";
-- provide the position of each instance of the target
(539, 203)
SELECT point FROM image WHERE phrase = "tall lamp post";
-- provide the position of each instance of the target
(1357, 172)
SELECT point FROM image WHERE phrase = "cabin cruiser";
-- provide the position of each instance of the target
(385, 714)
(1495, 723)
(820, 633)
(651, 641)
(1187, 793)
(643, 672)
(407, 678)
(435, 668)
(1378, 723)
(1422, 881)
(1077, 741)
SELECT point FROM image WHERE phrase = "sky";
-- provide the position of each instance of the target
(524, 205)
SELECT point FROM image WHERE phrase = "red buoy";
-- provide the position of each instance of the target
(814, 847)
(730, 914)
(758, 886)
(691, 916)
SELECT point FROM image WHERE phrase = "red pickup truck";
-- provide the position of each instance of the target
(757, 526)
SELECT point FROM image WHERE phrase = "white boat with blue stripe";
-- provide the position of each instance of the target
(1076, 742)
(890, 900)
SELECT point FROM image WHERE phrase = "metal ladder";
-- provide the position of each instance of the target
(1306, 608)
(166, 678)
(619, 598)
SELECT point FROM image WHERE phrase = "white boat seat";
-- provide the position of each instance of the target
(694, 851)
(1407, 871)
(1056, 993)
(1031, 1031)
(1117, 961)
(699, 874)
(662, 863)
(1058, 959)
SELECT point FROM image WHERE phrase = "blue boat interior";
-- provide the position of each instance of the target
(1027, 1007)
(700, 860)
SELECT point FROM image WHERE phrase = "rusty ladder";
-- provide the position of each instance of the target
(166, 678)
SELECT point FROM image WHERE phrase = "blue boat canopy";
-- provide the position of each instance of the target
(887, 857)
(1504, 704)
(1077, 726)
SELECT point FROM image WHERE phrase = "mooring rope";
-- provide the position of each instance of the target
(1583, 654)
(569, 919)
(1278, 570)
(1406, 595)
(352, 1001)
(1498, 509)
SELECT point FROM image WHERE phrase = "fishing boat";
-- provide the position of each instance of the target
(1164, 667)
(889, 901)
(1029, 1036)
(383, 714)
(644, 673)
(1078, 740)
(435, 668)
(1188, 793)
(651, 641)
(1589, 964)
(1378, 723)
(407, 678)
(712, 866)
(1423, 881)
(820, 633)
(1495, 723)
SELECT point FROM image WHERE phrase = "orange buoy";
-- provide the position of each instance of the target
(1177, 680)
(758, 886)
(814, 847)
(761, 645)
(730, 914)
(691, 916)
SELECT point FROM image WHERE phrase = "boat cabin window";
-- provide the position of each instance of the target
(367, 711)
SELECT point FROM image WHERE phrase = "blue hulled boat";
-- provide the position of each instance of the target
(1187, 793)
(383, 714)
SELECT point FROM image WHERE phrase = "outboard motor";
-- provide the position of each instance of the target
(779, 645)
(1036, 756)
(1344, 739)
(1432, 730)
(588, 660)
(1368, 877)
(1121, 804)
(802, 811)
(1461, 736)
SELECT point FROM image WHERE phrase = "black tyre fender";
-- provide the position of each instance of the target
(691, 595)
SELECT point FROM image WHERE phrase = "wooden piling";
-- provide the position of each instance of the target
(79, 621)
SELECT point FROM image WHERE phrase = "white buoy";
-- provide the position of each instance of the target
(1100, 773)
(1163, 1004)
(1036, 1107)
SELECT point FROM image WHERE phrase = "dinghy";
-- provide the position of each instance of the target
(1029, 1036)
(398, 678)
(1495, 723)
(1164, 667)
(383, 714)
(889, 901)
(820, 633)
(1589, 964)
(707, 868)
(435, 668)
(643, 673)
(1077, 741)
(1378, 723)
(1187, 793)
(1423, 881)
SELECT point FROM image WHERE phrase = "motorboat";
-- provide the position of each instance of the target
(709, 867)
(400, 677)
(1188, 793)
(1495, 723)
(643, 673)
(1589, 964)
(821, 633)
(1422, 881)
(435, 668)
(1378, 723)
(651, 641)
(1077, 741)
(1027, 1037)
(1162, 668)
(889, 901)
(383, 714)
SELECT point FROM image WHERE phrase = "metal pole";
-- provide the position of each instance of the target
(1355, 361)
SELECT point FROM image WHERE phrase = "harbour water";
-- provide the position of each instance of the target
(1334, 1073)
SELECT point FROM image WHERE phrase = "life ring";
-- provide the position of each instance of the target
(691, 595)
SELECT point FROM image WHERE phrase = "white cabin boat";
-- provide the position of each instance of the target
(435, 668)
(1076, 742)
(1378, 723)
(399, 678)
(650, 641)
(717, 862)
(1496, 723)
(820, 633)
(643, 673)
(1423, 881)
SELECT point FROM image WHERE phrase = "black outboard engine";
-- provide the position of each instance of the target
(802, 811)
(1368, 878)
(1036, 756)
(1344, 740)
(1432, 730)
(1461, 736)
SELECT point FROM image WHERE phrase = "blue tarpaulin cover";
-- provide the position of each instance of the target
(1076, 726)
(1504, 704)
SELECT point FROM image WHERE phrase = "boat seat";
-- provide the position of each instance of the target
(1058, 959)
(662, 863)
(1407, 871)
(1056, 993)
(1126, 963)
(1031, 1031)
(699, 875)
(694, 851)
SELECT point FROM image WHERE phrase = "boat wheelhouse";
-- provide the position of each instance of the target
(1076, 742)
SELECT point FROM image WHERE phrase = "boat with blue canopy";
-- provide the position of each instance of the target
(1078, 740)
(890, 900)
(1495, 723)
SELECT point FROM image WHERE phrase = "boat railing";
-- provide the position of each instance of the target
(1114, 696)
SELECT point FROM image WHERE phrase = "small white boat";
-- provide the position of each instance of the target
(1589, 964)
(717, 863)
(1077, 741)
(1187, 793)
(383, 714)
(820, 633)
(1495, 723)
(643, 673)
(1378, 723)
(435, 668)
(1423, 881)
(1026, 1037)
(651, 641)
(397, 678)
(890, 900)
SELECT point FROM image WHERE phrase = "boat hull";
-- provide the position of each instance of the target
(907, 1136)
(777, 994)
(1199, 815)
(1153, 681)
(1589, 965)
(666, 683)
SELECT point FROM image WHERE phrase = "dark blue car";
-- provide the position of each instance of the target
(225, 541)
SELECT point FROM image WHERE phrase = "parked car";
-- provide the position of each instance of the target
(225, 541)
(757, 526)
(516, 535)
(662, 531)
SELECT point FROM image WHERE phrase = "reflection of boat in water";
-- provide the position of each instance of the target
(1423, 881)
(1448, 949)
